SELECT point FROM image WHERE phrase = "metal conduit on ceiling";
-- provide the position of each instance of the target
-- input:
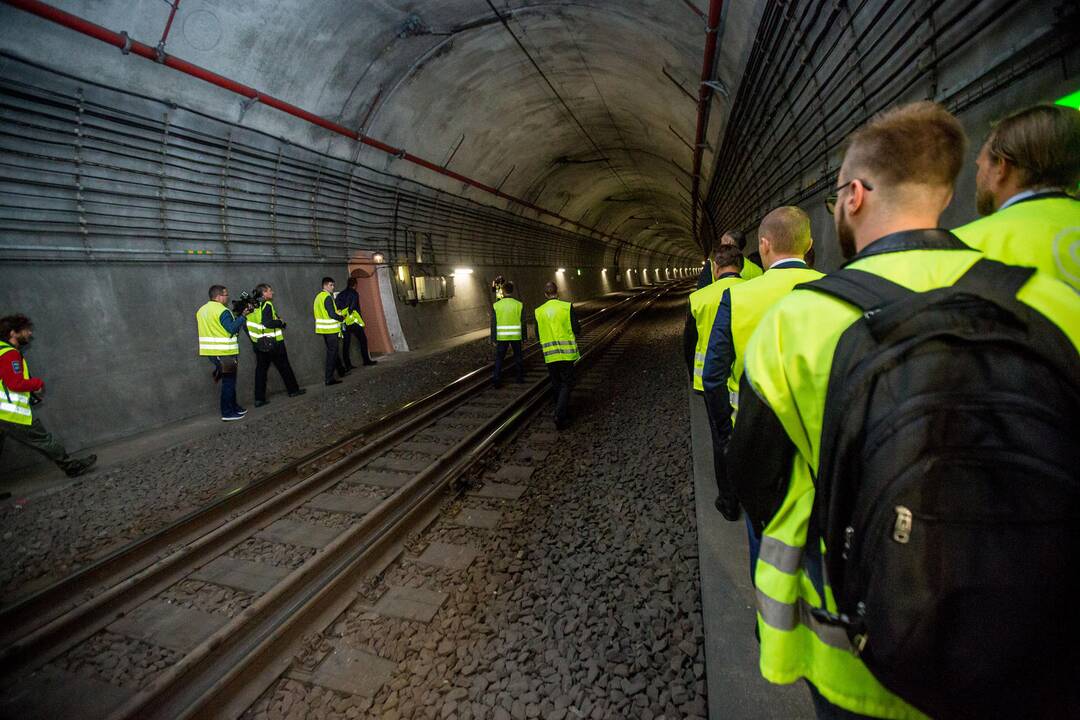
(152, 186)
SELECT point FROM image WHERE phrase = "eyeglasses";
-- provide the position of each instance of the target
(830, 200)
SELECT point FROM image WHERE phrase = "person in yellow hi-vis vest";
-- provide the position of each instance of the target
(557, 328)
(508, 330)
(328, 324)
(896, 179)
(18, 390)
(727, 261)
(1026, 187)
(783, 241)
(267, 332)
(218, 328)
(348, 305)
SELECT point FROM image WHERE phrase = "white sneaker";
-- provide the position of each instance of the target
(229, 418)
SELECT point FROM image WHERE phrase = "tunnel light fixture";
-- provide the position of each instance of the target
(579, 272)
(401, 273)
(378, 258)
(603, 271)
(462, 271)
(560, 271)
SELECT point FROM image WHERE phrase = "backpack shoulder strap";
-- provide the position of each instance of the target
(994, 281)
(864, 290)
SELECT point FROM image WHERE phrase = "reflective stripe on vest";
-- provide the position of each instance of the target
(704, 304)
(507, 319)
(354, 318)
(257, 330)
(214, 339)
(555, 332)
(15, 406)
(788, 361)
(749, 303)
(324, 324)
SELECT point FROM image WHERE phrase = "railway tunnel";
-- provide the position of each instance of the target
(152, 149)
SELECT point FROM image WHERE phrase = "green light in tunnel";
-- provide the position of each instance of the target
(1071, 100)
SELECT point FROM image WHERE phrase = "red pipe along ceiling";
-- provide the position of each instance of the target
(704, 96)
(128, 45)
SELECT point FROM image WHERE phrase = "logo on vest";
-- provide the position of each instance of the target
(1067, 255)
(16, 366)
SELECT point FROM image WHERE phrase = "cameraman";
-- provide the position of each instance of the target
(218, 328)
(267, 333)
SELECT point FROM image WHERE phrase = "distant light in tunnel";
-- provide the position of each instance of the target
(560, 271)
(378, 258)
(401, 273)
(462, 272)
(579, 272)
(603, 270)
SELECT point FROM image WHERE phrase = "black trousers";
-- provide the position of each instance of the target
(333, 359)
(561, 373)
(358, 331)
(279, 358)
(500, 355)
(35, 435)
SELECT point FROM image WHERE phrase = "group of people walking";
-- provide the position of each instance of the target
(900, 435)
(337, 321)
(557, 328)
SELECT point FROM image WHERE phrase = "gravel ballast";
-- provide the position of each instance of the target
(52, 535)
(583, 603)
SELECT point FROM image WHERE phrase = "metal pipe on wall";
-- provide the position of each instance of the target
(127, 45)
(704, 96)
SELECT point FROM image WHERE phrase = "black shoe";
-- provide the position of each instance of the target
(299, 392)
(241, 412)
(260, 403)
(333, 382)
(371, 362)
(349, 367)
(80, 467)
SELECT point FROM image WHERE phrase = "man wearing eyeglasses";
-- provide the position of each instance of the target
(896, 179)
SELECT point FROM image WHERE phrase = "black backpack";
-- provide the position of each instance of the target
(948, 494)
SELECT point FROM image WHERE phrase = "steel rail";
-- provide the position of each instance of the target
(233, 666)
(63, 614)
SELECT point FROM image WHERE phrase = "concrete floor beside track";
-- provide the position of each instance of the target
(727, 598)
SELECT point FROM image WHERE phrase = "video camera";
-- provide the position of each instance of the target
(246, 301)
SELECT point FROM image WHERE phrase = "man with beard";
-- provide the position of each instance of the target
(17, 390)
(1026, 169)
(896, 179)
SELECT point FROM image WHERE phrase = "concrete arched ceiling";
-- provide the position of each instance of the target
(582, 107)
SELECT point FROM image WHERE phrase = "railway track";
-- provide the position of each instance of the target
(389, 479)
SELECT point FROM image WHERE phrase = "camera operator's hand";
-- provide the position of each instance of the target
(247, 311)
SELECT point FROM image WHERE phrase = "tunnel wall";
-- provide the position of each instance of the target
(116, 342)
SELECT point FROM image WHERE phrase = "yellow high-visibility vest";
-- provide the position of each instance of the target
(788, 362)
(257, 330)
(1042, 233)
(15, 406)
(508, 319)
(749, 303)
(324, 324)
(703, 306)
(554, 329)
(214, 339)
